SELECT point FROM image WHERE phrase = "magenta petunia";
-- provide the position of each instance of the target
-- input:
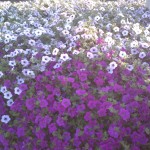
(20, 131)
(52, 127)
(66, 136)
(102, 112)
(71, 80)
(92, 104)
(125, 114)
(87, 116)
(113, 131)
(43, 103)
(7, 83)
(40, 134)
(80, 92)
(139, 138)
(30, 104)
(23, 87)
(43, 122)
(60, 121)
(66, 102)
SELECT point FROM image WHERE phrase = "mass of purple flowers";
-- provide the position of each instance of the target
(82, 86)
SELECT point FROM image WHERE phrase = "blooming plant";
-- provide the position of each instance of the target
(74, 76)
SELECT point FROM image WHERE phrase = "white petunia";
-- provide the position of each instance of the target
(134, 51)
(42, 68)
(31, 73)
(125, 32)
(142, 54)
(3, 89)
(75, 52)
(116, 29)
(145, 45)
(63, 46)
(46, 59)
(5, 119)
(110, 70)
(55, 51)
(90, 55)
(25, 62)
(65, 32)
(134, 44)
(130, 67)
(72, 16)
(113, 65)
(145, 64)
(38, 32)
(104, 48)
(67, 27)
(146, 32)
(96, 18)
(69, 49)
(64, 57)
(93, 50)
(117, 36)
(17, 90)
(12, 63)
(25, 71)
(108, 39)
(7, 95)
(57, 65)
(79, 29)
(47, 52)
(122, 54)
(137, 30)
(69, 20)
(7, 36)
(1, 74)
(20, 81)
(72, 44)
(31, 42)
(10, 102)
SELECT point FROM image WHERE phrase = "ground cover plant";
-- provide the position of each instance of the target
(74, 76)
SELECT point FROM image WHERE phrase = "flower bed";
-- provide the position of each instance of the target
(74, 75)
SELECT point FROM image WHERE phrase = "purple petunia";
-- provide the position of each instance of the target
(87, 116)
(125, 114)
(102, 112)
(60, 121)
(113, 131)
(66, 102)
(43, 103)
(52, 127)
(20, 131)
(30, 104)
(80, 92)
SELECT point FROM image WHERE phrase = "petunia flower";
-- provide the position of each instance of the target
(64, 57)
(125, 114)
(55, 51)
(122, 54)
(17, 90)
(5, 119)
(3, 89)
(142, 55)
(7, 95)
(113, 65)
(66, 102)
(80, 92)
(10, 102)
